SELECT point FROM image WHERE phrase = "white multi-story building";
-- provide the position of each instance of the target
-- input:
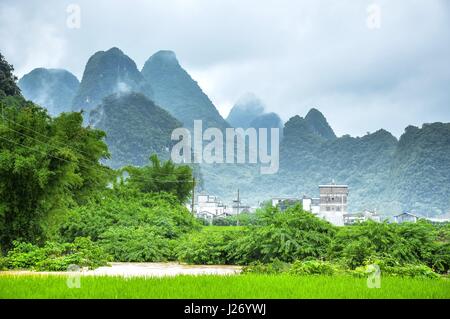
(209, 206)
(311, 204)
(350, 219)
(333, 203)
(406, 218)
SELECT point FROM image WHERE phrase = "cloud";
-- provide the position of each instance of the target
(294, 54)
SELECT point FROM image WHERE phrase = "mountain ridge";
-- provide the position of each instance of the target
(176, 91)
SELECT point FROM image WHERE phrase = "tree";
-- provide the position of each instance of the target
(8, 86)
(46, 165)
(162, 177)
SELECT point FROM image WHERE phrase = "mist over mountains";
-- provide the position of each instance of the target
(139, 109)
(108, 72)
(52, 88)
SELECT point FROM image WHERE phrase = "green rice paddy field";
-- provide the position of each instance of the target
(228, 287)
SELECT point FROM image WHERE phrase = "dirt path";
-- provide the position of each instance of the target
(144, 270)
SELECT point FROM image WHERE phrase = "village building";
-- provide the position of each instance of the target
(406, 218)
(333, 203)
(284, 203)
(350, 219)
(311, 204)
(209, 207)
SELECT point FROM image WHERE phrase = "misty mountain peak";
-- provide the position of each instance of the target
(176, 91)
(114, 50)
(247, 108)
(163, 58)
(166, 55)
(53, 89)
(108, 72)
(318, 123)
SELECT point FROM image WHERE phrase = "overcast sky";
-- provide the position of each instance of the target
(294, 54)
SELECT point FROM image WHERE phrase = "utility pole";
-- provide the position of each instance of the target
(193, 194)
(238, 207)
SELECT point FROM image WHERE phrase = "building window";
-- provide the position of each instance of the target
(338, 209)
(328, 208)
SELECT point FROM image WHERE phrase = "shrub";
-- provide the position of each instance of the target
(138, 244)
(313, 267)
(411, 270)
(128, 208)
(55, 256)
(275, 267)
(24, 255)
(287, 236)
(418, 271)
(3, 263)
(210, 246)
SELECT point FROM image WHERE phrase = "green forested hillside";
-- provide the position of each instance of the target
(383, 173)
(135, 128)
(420, 177)
(175, 91)
(108, 72)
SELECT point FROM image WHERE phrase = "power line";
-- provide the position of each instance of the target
(71, 162)
(66, 145)
(25, 127)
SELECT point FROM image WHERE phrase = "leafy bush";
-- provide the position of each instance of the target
(400, 244)
(55, 256)
(410, 270)
(210, 246)
(128, 208)
(313, 267)
(420, 271)
(287, 236)
(3, 263)
(24, 255)
(275, 267)
(139, 244)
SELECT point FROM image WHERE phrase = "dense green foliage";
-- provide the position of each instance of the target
(131, 225)
(287, 236)
(45, 165)
(134, 127)
(392, 245)
(162, 177)
(53, 89)
(295, 236)
(55, 256)
(8, 86)
(210, 246)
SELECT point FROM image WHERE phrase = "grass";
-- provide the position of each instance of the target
(228, 287)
